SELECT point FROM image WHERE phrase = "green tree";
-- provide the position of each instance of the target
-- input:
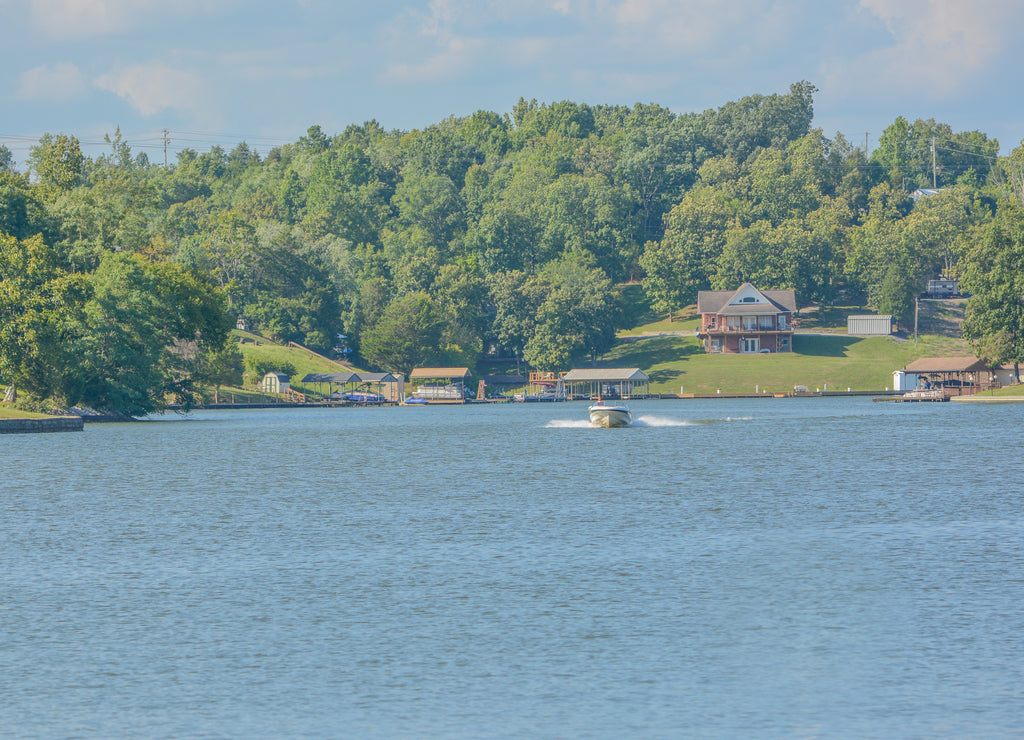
(407, 335)
(21, 212)
(40, 311)
(256, 368)
(516, 296)
(57, 161)
(143, 331)
(577, 318)
(994, 319)
(222, 366)
(6, 159)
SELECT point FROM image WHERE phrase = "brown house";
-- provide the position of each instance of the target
(746, 320)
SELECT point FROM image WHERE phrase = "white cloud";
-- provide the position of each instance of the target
(151, 88)
(53, 82)
(85, 18)
(90, 17)
(938, 47)
(723, 27)
(457, 57)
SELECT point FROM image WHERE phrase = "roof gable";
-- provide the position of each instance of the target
(745, 300)
(612, 374)
(746, 295)
(439, 373)
(946, 365)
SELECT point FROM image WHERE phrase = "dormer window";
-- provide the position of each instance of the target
(748, 299)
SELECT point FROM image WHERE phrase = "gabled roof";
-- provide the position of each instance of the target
(374, 378)
(278, 374)
(946, 365)
(438, 373)
(613, 374)
(730, 303)
(330, 378)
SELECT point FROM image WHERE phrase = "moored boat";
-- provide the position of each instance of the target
(605, 416)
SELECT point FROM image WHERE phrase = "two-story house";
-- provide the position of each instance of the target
(746, 320)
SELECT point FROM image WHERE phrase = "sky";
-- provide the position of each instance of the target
(218, 72)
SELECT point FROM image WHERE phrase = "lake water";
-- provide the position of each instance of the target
(777, 568)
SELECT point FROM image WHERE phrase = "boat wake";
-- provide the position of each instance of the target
(662, 421)
(569, 424)
(647, 420)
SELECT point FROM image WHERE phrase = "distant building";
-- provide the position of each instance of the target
(746, 320)
(955, 376)
(924, 193)
(628, 382)
(440, 384)
(869, 325)
(943, 288)
(242, 324)
(275, 382)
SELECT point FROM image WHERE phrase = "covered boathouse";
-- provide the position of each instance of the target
(954, 376)
(612, 382)
(439, 385)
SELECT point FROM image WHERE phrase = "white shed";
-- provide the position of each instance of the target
(904, 381)
(869, 325)
(275, 382)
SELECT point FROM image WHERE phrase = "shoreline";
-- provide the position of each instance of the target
(42, 426)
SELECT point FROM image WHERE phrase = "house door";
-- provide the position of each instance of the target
(750, 345)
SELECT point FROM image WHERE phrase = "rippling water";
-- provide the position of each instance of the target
(791, 568)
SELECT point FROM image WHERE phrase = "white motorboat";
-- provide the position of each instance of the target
(605, 416)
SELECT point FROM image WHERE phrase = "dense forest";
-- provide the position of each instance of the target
(480, 237)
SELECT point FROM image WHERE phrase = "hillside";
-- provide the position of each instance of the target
(823, 354)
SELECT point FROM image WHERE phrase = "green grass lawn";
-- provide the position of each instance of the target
(684, 321)
(268, 350)
(838, 362)
(7, 412)
(831, 359)
(1007, 391)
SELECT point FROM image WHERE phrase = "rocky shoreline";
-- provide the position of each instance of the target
(36, 426)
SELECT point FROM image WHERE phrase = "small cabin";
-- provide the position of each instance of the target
(275, 382)
(242, 324)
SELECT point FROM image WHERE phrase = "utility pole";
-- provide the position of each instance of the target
(865, 143)
(917, 302)
(166, 142)
(933, 164)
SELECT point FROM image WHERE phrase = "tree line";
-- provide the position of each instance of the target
(481, 236)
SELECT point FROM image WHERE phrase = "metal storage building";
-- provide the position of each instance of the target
(869, 325)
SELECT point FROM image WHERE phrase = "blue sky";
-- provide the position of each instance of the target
(222, 71)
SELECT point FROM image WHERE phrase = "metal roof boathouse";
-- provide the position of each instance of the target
(387, 387)
(954, 376)
(607, 383)
(439, 385)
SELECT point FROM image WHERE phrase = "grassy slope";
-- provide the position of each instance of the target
(838, 361)
(267, 350)
(1010, 390)
(7, 412)
(831, 358)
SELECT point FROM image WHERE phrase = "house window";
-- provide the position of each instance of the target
(784, 344)
(716, 345)
(749, 323)
(749, 345)
(782, 322)
(733, 322)
(712, 322)
(767, 323)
